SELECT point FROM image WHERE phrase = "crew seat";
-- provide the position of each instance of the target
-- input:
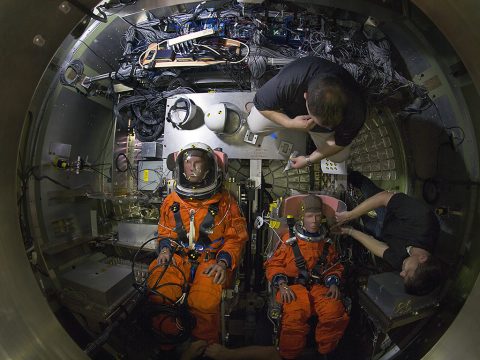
(291, 207)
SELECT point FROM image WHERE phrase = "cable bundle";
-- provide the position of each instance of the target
(147, 111)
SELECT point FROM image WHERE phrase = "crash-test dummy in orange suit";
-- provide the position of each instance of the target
(303, 295)
(198, 215)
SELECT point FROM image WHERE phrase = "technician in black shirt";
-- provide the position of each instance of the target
(312, 94)
(408, 231)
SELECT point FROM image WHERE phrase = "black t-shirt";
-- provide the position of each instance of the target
(285, 93)
(408, 222)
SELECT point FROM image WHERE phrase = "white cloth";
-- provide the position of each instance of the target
(259, 124)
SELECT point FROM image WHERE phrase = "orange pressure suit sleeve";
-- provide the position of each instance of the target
(166, 223)
(235, 235)
(275, 266)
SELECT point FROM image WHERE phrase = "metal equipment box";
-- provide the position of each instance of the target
(386, 302)
(150, 175)
(135, 234)
(152, 150)
(98, 282)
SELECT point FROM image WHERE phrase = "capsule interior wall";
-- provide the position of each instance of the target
(64, 219)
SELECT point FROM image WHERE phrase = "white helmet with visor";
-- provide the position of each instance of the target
(197, 172)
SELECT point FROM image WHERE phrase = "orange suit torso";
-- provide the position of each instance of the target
(228, 235)
(332, 317)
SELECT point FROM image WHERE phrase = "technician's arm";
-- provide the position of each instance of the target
(376, 247)
(301, 122)
(376, 201)
(329, 148)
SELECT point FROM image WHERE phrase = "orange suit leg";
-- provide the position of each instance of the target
(332, 319)
(170, 284)
(167, 282)
(294, 329)
(204, 303)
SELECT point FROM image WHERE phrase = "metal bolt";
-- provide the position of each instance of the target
(65, 7)
(38, 40)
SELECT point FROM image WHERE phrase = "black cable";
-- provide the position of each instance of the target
(169, 263)
(135, 257)
(178, 311)
(116, 162)
(165, 298)
(97, 165)
(39, 178)
(129, 165)
(99, 172)
(145, 133)
(139, 27)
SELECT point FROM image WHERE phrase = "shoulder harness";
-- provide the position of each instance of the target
(305, 277)
(206, 227)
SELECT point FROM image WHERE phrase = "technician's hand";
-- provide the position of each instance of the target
(342, 230)
(163, 257)
(333, 292)
(298, 162)
(301, 122)
(343, 217)
(195, 350)
(217, 352)
(219, 271)
(286, 293)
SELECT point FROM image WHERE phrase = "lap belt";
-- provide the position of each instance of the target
(299, 281)
(194, 257)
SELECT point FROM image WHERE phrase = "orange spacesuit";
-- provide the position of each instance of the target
(306, 277)
(211, 247)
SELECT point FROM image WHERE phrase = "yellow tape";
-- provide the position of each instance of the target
(145, 175)
(275, 224)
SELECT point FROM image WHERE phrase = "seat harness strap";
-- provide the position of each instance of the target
(304, 276)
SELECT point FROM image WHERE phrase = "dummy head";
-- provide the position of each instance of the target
(312, 213)
(195, 166)
(197, 172)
